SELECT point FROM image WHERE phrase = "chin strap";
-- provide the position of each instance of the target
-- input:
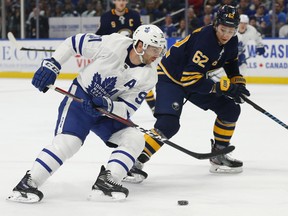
(139, 54)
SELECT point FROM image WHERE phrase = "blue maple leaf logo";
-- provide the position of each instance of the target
(98, 88)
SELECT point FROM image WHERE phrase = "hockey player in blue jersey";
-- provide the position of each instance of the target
(182, 75)
(123, 70)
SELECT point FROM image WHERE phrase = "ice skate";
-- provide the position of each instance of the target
(106, 189)
(26, 191)
(136, 174)
(224, 163)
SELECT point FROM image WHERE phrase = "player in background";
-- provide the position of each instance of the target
(182, 75)
(123, 21)
(119, 19)
(246, 33)
(117, 80)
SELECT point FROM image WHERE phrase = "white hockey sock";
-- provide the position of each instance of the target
(120, 162)
(53, 156)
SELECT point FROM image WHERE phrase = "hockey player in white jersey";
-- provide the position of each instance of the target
(122, 71)
(245, 34)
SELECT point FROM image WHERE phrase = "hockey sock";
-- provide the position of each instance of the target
(53, 156)
(223, 132)
(151, 146)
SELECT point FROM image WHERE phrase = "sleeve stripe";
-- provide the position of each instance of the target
(186, 79)
(187, 82)
(81, 43)
(128, 104)
(74, 43)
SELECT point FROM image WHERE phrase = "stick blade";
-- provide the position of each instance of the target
(12, 39)
(226, 150)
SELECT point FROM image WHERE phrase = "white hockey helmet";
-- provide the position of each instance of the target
(149, 35)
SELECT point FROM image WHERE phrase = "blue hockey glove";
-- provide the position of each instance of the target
(260, 50)
(100, 102)
(46, 74)
(242, 59)
(235, 91)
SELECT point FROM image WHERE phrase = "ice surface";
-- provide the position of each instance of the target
(27, 122)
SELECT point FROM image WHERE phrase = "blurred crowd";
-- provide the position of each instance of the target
(200, 13)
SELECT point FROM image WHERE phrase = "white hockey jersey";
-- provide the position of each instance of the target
(108, 74)
(250, 34)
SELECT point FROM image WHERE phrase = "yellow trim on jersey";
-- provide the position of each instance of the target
(114, 13)
(177, 82)
(191, 76)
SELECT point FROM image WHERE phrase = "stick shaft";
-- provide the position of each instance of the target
(260, 109)
(12, 39)
(129, 123)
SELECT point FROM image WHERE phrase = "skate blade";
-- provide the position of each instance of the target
(135, 179)
(16, 196)
(99, 196)
(225, 169)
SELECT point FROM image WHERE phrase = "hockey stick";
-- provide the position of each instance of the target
(200, 156)
(12, 39)
(265, 112)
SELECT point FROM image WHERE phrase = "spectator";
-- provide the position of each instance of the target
(32, 17)
(169, 6)
(280, 20)
(13, 20)
(181, 31)
(259, 15)
(58, 11)
(243, 7)
(283, 31)
(207, 19)
(207, 14)
(253, 22)
(214, 4)
(43, 25)
(193, 21)
(69, 11)
(253, 7)
(168, 28)
(197, 5)
(90, 12)
(81, 6)
(98, 7)
(151, 10)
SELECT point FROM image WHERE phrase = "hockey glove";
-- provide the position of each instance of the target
(235, 91)
(97, 102)
(260, 50)
(46, 74)
(238, 79)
